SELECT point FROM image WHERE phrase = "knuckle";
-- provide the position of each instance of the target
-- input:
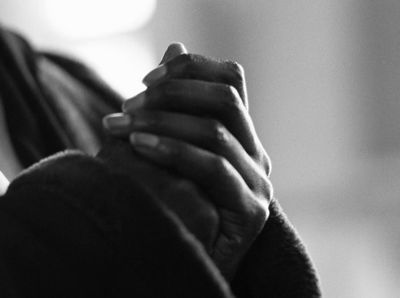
(261, 214)
(262, 159)
(220, 165)
(218, 133)
(267, 164)
(257, 213)
(231, 99)
(228, 90)
(267, 190)
(262, 187)
(236, 70)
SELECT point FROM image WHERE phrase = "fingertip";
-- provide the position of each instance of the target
(173, 50)
(155, 75)
(106, 120)
(178, 48)
(133, 103)
(116, 121)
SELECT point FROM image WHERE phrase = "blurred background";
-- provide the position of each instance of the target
(324, 86)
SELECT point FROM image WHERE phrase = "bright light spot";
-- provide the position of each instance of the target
(82, 19)
(3, 183)
(94, 31)
(122, 62)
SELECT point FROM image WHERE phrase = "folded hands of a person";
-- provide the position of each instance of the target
(193, 120)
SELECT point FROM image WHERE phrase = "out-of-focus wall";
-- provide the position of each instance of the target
(324, 86)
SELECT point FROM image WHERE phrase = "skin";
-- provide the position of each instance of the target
(193, 121)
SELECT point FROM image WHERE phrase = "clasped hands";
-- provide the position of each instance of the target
(193, 122)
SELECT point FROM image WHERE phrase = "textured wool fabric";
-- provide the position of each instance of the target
(51, 102)
(74, 225)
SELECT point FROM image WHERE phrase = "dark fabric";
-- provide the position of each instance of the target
(277, 264)
(51, 102)
(74, 227)
(78, 226)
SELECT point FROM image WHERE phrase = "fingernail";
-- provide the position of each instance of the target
(134, 102)
(155, 75)
(144, 139)
(116, 121)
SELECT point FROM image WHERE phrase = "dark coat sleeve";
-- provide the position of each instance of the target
(71, 226)
(277, 264)
(74, 226)
(51, 102)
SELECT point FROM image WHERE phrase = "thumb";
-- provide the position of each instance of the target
(173, 50)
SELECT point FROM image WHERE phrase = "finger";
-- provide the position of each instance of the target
(205, 133)
(180, 196)
(173, 50)
(191, 66)
(241, 214)
(216, 100)
(190, 205)
(214, 174)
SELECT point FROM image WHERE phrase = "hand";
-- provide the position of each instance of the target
(181, 196)
(193, 120)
